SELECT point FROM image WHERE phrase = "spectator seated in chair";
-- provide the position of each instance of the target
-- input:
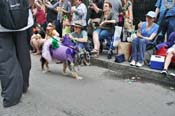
(38, 33)
(145, 34)
(106, 27)
(169, 56)
(162, 50)
(170, 42)
(107, 45)
(79, 36)
(94, 16)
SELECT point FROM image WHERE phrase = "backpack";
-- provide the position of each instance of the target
(14, 13)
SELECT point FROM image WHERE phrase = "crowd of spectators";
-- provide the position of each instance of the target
(96, 23)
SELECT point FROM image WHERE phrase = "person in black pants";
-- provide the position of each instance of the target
(15, 63)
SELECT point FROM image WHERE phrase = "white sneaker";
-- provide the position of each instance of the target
(172, 74)
(164, 71)
(133, 63)
(138, 64)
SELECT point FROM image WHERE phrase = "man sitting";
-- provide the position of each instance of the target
(79, 35)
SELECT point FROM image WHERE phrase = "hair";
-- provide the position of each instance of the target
(48, 33)
(110, 5)
(52, 25)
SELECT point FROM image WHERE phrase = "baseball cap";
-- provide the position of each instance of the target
(151, 14)
(77, 24)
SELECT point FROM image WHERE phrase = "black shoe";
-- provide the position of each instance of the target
(109, 56)
(110, 53)
(6, 104)
(25, 89)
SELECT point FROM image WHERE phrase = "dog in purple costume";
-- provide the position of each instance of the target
(67, 53)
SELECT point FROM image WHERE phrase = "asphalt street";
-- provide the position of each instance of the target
(100, 93)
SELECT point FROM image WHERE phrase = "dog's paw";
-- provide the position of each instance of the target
(64, 73)
(88, 64)
(44, 71)
(79, 78)
(48, 70)
(76, 76)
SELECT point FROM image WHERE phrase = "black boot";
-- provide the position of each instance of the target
(110, 53)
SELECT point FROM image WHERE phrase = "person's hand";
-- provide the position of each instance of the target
(139, 35)
(92, 6)
(58, 9)
(47, 3)
(74, 39)
(102, 23)
(73, 9)
(166, 46)
(89, 21)
(71, 37)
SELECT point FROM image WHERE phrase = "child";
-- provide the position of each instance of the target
(66, 26)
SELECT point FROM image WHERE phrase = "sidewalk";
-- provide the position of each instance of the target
(124, 70)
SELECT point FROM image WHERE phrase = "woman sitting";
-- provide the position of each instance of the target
(146, 34)
(38, 33)
(170, 44)
(170, 54)
(79, 35)
(106, 26)
(37, 41)
(34, 42)
(50, 33)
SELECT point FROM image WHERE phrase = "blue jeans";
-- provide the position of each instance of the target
(58, 26)
(138, 49)
(104, 34)
(168, 26)
(171, 27)
(161, 15)
(81, 45)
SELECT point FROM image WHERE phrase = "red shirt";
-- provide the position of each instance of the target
(40, 16)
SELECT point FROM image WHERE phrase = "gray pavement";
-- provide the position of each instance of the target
(124, 69)
(102, 92)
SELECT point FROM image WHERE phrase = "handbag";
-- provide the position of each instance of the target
(120, 58)
(124, 48)
(120, 20)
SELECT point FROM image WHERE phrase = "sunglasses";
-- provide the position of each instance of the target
(50, 25)
(76, 27)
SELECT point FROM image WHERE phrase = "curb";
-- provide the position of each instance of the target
(124, 70)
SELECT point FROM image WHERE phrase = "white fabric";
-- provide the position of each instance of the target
(133, 36)
(157, 58)
(30, 23)
(171, 49)
(80, 14)
(117, 34)
(45, 50)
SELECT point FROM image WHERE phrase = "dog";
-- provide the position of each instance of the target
(70, 56)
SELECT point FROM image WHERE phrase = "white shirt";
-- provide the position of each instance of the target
(30, 23)
(80, 14)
